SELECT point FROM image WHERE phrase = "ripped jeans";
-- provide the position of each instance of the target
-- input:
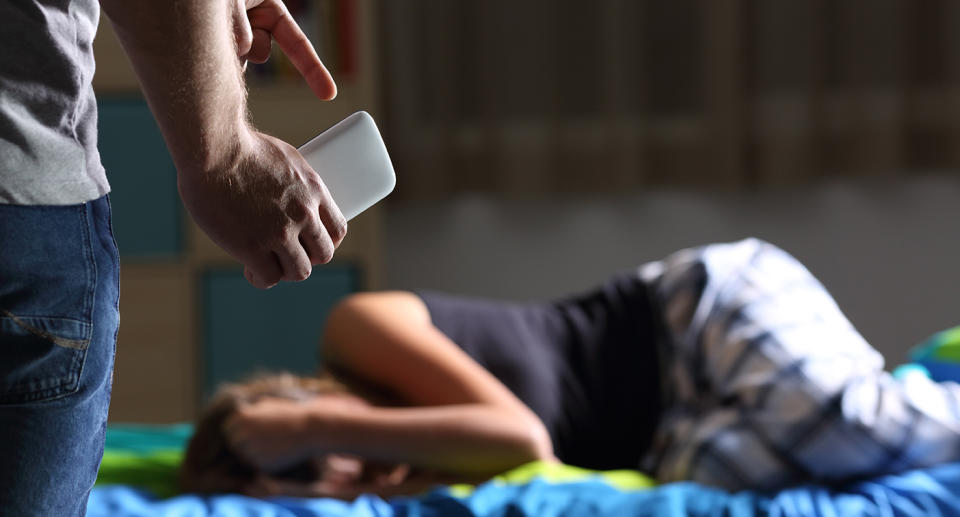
(59, 289)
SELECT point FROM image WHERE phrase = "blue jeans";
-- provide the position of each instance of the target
(59, 289)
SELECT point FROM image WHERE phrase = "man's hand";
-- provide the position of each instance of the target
(267, 208)
(254, 195)
(270, 250)
(256, 23)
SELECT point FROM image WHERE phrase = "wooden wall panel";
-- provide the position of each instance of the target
(155, 377)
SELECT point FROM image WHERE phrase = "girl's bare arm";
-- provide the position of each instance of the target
(456, 417)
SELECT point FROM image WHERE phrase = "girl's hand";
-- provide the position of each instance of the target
(274, 434)
(270, 434)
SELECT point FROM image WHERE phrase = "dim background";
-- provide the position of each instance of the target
(540, 146)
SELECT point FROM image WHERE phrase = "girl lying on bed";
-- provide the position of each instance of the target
(728, 364)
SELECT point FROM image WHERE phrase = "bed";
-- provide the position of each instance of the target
(138, 473)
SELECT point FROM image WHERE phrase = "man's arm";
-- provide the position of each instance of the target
(254, 195)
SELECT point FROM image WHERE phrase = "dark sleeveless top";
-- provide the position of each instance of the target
(586, 365)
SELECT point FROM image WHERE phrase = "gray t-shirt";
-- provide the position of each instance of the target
(48, 113)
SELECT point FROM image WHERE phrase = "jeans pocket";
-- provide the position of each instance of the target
(43, 357)
(47, 282)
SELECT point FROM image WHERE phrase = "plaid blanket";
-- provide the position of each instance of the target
(769, 385)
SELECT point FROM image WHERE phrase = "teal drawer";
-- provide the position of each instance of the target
(143, 180)
(247, 330)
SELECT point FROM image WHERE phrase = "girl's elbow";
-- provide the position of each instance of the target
(539, 445)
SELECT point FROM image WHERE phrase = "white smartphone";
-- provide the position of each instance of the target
(353, 162)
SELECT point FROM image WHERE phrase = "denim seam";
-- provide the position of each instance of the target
(113, 238)
(116, 302)
(91, 263)
(92, 278)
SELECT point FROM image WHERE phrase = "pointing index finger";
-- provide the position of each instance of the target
(274, 17)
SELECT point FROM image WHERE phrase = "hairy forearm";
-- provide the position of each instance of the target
(463, 439)
(185, 58)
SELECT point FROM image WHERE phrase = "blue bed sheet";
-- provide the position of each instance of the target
(930, 492)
